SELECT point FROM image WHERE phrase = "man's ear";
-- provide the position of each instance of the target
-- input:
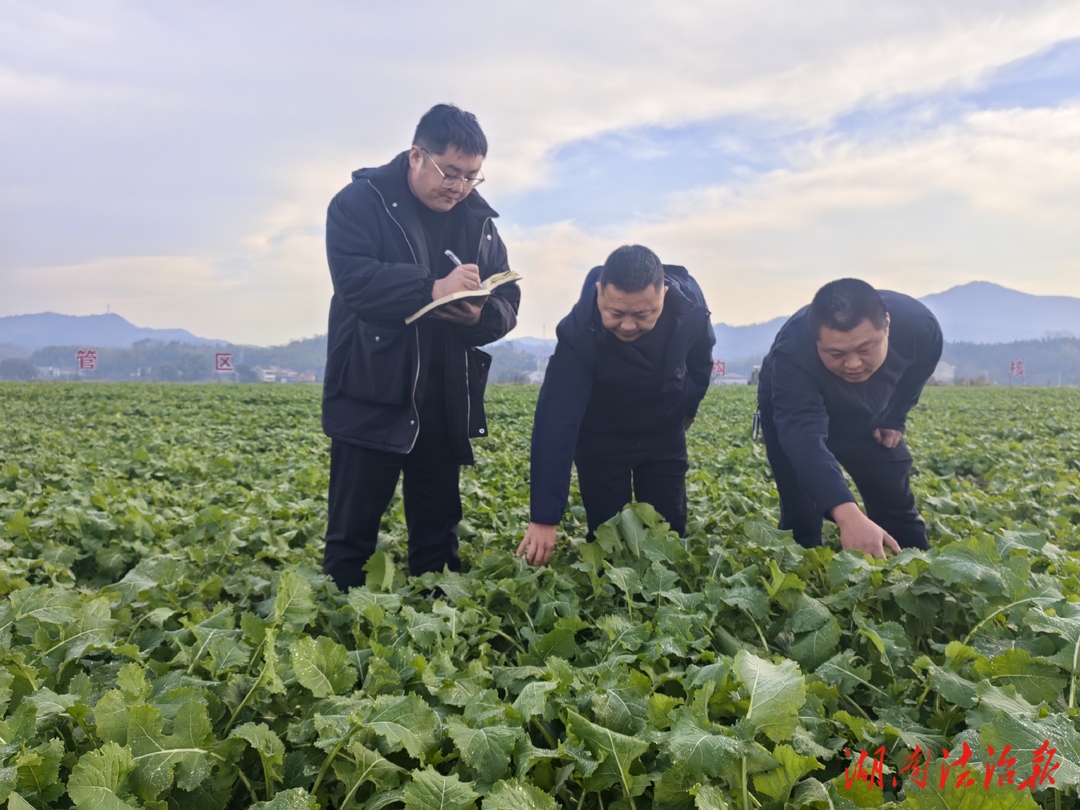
(888, 321)
(416, 156)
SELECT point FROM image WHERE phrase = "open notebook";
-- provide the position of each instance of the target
(486, 286)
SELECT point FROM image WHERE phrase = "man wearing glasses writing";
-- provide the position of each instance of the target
(403, 400)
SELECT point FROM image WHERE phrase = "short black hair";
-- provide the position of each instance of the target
(632, 268)
(844, 304)
(446, 124)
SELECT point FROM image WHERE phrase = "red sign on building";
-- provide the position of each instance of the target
(86, 359)
(223, 361)
(719, 368)
(1016, 368)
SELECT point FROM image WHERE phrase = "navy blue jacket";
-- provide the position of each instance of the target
(597, 384)
(813, 411)
(376, 366)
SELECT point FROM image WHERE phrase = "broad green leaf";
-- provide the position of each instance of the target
(608, 746)
(661, 706)
(777, 783)
(6, 679)
(815, 647)
(379, 570)
(811, 792)
(976, 797)
(227, 654)
(1036, 681)
(295, 799)
(293, 603)
(405, 721)
(777, 582)
(622, 634)
(996, 699)
(1064, 622)
(956, 689)
(97, 777)
(973, 560)
(776, 695)
(709, 797)
(701, 750)
(39, 771)
(842, 672)
(322, 665)
(485, 750)
(1026, 736)
(430, 790)
(159, 758)
(49, 704)
(47, 605)
(533, 699)
(269, 746)
(745, 596)
(517, 795)
(807, 614)
(625, 579)
(621, 708)
(368, 766)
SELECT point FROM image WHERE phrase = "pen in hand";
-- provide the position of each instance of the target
(453, 257)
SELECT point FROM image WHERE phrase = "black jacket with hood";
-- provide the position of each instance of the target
(599, 385)
(814, 412)
(376, 365)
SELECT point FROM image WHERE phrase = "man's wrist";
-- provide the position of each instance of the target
(845, 513)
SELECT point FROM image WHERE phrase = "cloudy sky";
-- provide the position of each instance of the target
(173, 162)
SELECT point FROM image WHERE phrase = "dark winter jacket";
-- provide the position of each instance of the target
(813, 411)
(596, 384)
(376, 366)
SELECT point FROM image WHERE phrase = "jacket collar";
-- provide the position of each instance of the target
(391, 182)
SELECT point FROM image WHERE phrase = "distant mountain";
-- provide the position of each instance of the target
(531, 345)
(981, 312)
(742, 342)
(98, 331)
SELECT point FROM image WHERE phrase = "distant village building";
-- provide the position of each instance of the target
(729, 379)
(944, 374)
(276, 374)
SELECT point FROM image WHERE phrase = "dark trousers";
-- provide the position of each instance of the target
(882, 476)
(362, 483)
(652, 470)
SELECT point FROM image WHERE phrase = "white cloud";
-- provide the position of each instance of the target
(215, 134)
(992, 198)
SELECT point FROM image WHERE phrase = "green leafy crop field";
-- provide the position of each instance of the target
(167, 640)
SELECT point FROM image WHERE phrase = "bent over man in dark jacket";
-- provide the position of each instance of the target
(835, 390)
(406, 399)
(632, 365)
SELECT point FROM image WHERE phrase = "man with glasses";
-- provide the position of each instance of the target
(404, 400)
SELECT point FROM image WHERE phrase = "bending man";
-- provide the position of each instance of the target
(835, 391)
(632, 363)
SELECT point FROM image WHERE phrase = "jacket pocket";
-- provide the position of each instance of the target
(479, 365)
(377, 369)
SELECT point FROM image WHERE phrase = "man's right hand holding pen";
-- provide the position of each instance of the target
(463, 278)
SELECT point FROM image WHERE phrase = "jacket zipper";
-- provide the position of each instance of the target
(416, 328)
(468, 395)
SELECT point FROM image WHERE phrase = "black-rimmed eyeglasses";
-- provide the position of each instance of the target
(451, 182)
